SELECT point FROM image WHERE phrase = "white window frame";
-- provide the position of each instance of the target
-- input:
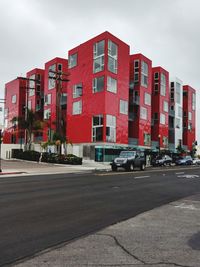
(123, 104)
(97, 126)
(143, 113)
(47, 99)
(162, 119)
(111, 124)
(147, 99)
(95, 84)
(112, 58)
(144, 74)
(14, 99)
(99, 59)
(77, 90)
(111, 85)
(47, 114)
(165, 106)
(163, 84)
(73, 60)
(77, 107)
(51, 77)
(189, 116)
(31, 83)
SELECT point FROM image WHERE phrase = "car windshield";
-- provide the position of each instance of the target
(127, 154)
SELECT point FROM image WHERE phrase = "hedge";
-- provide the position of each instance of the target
(47, 157)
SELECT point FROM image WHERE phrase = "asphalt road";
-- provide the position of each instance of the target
(38, 212)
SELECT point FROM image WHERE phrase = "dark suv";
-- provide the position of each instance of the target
(162, 160)
(129, 160)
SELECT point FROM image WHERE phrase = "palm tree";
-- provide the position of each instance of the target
(30, 124)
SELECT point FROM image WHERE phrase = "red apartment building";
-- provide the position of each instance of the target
(35, 96)
(140, 101)
(14, 107)
(189, 116)
(55, 97)
(97, 113)
(160, 108)
(102, 100)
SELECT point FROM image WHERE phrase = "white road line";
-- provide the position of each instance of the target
(141, 177)
(180, 172)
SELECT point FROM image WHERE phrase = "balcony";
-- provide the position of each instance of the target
(132, 116)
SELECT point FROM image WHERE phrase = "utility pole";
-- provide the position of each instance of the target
(27, 88)
(58, 77)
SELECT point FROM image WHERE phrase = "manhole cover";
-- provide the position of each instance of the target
(194, 241)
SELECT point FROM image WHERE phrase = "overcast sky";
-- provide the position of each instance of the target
(35, 31)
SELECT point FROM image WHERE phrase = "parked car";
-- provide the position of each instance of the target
(129, 160)
(187, 160)
(196, 161)
(162, 160)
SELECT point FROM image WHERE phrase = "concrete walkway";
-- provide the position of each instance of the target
(166, 236)
(19, 167)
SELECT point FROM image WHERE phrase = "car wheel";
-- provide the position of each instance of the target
(114, 168)
(142, 167)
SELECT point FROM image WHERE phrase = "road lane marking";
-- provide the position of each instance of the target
(188, 176)
(180, 172)
(141, 177)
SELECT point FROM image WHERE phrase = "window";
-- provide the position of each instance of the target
(31, 85)
(147, 139)
(110, 128)
(77, 108)
(98, 84)
(144, 74)
(163, 84)
(193, 101)
(47, 114)
(190, 126)
(190, 116)
(98, 56)
(143, 113)
(111, 85)
(77, 90)
(97, 128)
(178, 93)
(156, 88)
(73, 60)
(59, 67)
(112, 56)
(47, 99)
(185, 93)
(162, 118)
(165, 106)
(52, 77)
(136, 70)
(156, 75)
(29, 104)
(147, 99)
(14, 99)
(123, 107)
(38, 105)
(38, 91)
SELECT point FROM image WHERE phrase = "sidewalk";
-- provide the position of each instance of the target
(19, 167)
(164, 237)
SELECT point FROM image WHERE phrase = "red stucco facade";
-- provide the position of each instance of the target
(160, 107)
(102, 101)
(189, 116)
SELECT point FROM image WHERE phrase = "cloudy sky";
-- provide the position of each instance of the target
(35, 31)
